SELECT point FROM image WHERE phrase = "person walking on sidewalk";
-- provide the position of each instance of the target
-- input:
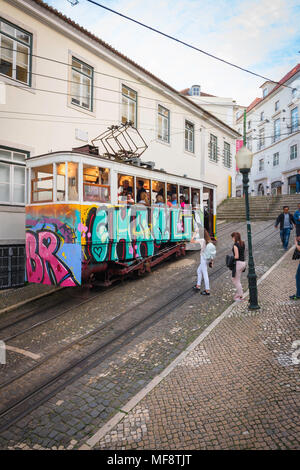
(297, 220)
(207, 254)
(286, 222)
(296, 255)
(238, 250)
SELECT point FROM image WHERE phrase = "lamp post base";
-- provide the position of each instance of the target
(253, 307)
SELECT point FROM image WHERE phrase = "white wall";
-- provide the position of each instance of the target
(286, 167)
(45, 122)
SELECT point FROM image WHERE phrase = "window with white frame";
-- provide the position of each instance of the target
(293, 152)
(195, 90)
(261, 164)
(213, 145)
(12, 176)
(15, 52)
(276, 159)
(82, 84)
(277, 105)
(163, 124)
(227, 155)
(129, 105)
(189, 136)
(294, 120)
(262, 116)
(276, 130)
(294, 91)
(265, 92)
(249, 124)
(249, 143)
(261, 141)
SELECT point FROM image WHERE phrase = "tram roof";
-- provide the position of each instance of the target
(87, 156)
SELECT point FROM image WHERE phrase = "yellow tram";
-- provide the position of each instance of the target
(91, 220)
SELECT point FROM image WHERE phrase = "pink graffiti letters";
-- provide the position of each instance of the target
(42, 264)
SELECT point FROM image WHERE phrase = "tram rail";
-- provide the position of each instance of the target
(109, 289)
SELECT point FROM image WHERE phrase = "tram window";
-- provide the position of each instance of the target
(143, 191)
(184, 195)
(158, 192)
(125, 189)
(195, 197)
(72, 181)
(172, 191)
(42, 184)
(60, 181)
(96, 184)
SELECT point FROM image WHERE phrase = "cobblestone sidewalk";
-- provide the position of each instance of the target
(236, 390)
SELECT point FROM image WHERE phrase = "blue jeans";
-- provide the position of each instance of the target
(297, 187)
(298, 281)
(285, 237)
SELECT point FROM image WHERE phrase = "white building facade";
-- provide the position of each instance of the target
(273, 135)
(61, 86)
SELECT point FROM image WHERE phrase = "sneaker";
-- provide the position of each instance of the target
(294, 297)
(197, 288)
(205, 293)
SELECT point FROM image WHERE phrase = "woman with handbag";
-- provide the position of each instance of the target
(296, 256)
(207, 254)
(238, 250)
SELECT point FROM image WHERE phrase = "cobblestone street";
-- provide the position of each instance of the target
(239, 365)
(237, 389)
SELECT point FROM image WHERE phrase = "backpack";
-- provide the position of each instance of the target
(210, 251)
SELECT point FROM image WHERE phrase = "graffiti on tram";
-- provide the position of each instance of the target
(60, 238)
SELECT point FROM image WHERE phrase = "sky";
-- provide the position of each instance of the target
(260, 35)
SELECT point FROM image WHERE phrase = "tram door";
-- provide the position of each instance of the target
(208, 207)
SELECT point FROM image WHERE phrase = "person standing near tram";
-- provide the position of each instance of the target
(207, 255)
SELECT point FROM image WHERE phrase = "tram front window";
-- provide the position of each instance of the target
(60, 181)
(42, 184)
(72, 181)
(158, 193)
(96, 186)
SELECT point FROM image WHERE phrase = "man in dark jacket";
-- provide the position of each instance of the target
(298, 182)
(286, 221)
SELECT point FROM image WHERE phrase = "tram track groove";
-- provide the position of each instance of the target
(178, 300)
(157, 314)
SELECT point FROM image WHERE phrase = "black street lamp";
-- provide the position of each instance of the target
(244, 163)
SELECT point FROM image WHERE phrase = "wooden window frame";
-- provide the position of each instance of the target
(19, 41)
(82, 74)
(129, 99)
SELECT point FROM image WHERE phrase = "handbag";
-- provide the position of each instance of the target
(230, 261)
